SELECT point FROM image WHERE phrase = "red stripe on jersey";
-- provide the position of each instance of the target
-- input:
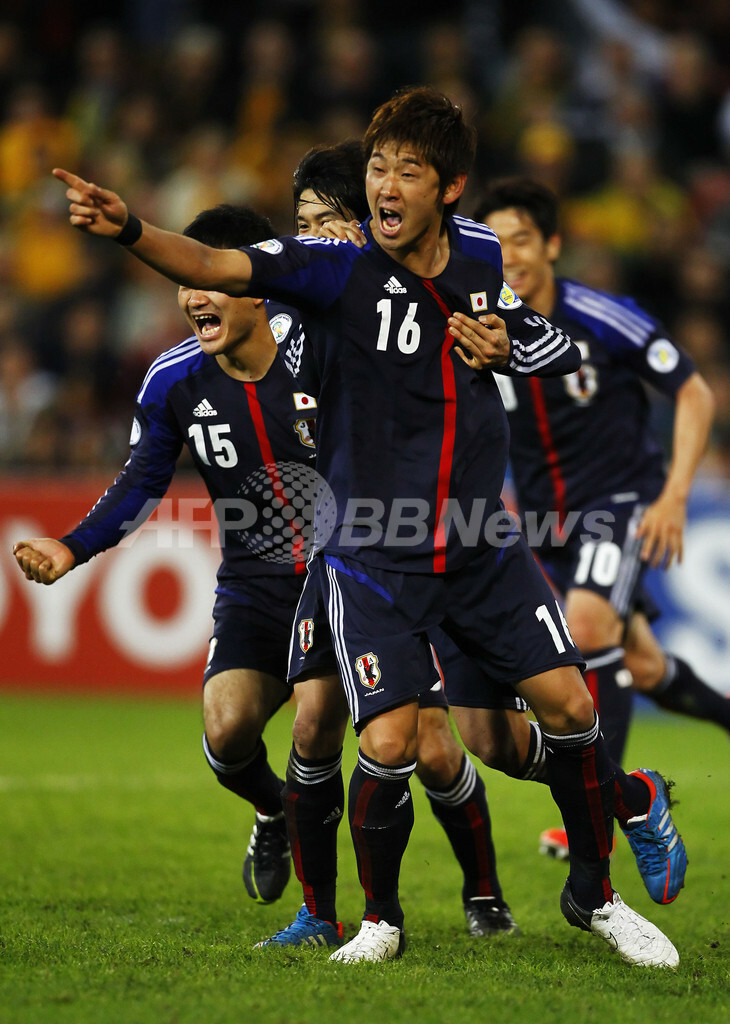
(267, 454)
(448, 439)
(551, 453)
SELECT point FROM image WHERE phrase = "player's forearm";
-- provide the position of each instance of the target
(121, 510)
(693, 415)
(188, 262)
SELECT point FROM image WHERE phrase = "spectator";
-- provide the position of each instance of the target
(32, 139)
(25, 393)
(688, 108)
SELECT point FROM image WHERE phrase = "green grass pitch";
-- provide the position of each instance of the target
(122, 900)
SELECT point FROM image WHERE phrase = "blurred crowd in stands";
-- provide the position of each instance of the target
(621, 106)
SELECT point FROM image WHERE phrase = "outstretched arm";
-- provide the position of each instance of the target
(43, 559)
(662, 525)
(98, 211)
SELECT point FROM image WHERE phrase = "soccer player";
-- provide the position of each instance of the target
(582, 449)
(413, 443)
(508, 741)
(227, 394)
(329, 184)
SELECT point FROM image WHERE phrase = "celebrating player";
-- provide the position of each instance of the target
(226, 393)
(485, 713)
(328, 184)
(413, 443)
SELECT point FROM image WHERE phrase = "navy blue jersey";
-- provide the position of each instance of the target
(412, 442)
(286, 326)
(251, 442)
(586, 436)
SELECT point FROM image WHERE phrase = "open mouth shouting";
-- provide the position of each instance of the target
(390, 221)
(207, 325)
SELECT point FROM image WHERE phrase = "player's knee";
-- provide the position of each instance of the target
(231, 738)
(499, 756)
(647, 668)
(307, 736)
(591, 635)
(439, 755)
(390, 748)
(594, 627)
(439, 759)
(575, 713)
(233, 726)
(316, 735)
(494, 746)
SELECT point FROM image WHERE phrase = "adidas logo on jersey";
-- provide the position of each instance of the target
(394, 287)
(204, 408)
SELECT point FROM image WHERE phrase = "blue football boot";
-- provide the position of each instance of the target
(657, 845)
(306, 930)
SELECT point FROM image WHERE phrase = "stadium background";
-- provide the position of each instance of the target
(622, 107)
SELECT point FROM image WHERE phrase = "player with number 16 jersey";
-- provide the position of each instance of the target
(390, 382)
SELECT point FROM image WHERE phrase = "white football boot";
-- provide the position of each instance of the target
(636, 940)
(374, 941)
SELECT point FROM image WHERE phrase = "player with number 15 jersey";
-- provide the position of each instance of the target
(246, 439)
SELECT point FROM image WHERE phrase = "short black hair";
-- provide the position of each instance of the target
(229, 227)
(535, 199)
(336, 175)
(426, 119)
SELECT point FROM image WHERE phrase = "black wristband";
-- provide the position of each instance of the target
(131, 231)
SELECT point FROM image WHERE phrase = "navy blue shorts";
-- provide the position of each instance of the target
(252, 626)
(435, 697)
(313, 653)
(604, 557)
(498, 609)
(465, 684)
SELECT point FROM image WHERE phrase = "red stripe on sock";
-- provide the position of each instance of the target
(363, 852)
(481, 847)
(591, 681)
(595, 807)
(296, 850)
